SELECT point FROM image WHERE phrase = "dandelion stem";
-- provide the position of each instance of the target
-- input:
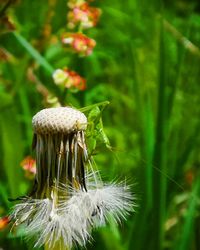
(58, 246)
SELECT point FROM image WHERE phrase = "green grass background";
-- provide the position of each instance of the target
(147, 65)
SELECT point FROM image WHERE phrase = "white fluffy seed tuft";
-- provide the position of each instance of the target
(50, 225)
(72, 221)
(99, 204)
(59, 120)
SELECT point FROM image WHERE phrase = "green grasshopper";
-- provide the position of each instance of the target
(95, 133)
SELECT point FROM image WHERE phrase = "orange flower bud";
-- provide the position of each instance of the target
(69, 79)
(4, 222)
(79, 43)
(83, 15)
(29, 165)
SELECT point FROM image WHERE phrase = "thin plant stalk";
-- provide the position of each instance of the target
(160, 153)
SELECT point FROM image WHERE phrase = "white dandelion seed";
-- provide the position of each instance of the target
(69, 198)
(100, 202)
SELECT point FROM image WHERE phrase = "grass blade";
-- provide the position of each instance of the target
(34, 53)
(187, 231)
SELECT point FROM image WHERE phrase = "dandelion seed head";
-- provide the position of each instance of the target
(59, 120)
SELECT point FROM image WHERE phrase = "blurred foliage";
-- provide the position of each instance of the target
(146, 64)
